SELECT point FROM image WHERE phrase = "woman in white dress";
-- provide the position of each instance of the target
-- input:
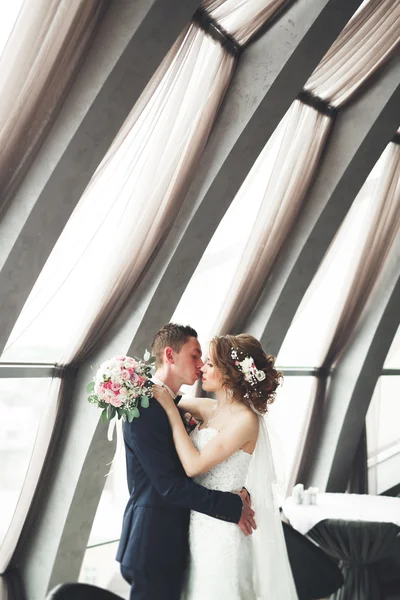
(228, 451)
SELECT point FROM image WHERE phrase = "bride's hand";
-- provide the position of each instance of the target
(162, 395)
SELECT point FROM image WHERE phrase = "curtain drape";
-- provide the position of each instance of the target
(135, 194)
(127, 210)
(368, 40)
(379, 237)
(41, 58)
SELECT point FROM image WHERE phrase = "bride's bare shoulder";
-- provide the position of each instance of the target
(247, 417)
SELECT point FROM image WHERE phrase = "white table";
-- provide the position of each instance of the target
(361, 531)
(348, 507)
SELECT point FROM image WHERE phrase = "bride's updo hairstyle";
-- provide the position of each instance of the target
(254, 383)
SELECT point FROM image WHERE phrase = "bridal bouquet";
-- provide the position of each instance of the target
(121, 385)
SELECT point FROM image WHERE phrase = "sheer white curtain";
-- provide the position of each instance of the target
(40, 59)
(369, 39)
(122, 219)
(132, 200)
(383, 228)
(242, 18)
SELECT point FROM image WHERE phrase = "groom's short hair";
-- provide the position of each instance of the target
(172, 335)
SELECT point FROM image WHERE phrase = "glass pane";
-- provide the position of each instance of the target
(100, 568)
(393, 358)
(310, 333)
(383, 435)
(107, 523)
(289, 419)
(21, 406)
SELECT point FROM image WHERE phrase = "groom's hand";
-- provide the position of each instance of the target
(244, 494)
(247, 523)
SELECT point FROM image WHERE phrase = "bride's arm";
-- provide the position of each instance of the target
(224, 444)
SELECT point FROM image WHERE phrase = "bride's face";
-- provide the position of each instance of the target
(211, 379)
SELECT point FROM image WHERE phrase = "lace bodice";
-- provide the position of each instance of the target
(228, 476)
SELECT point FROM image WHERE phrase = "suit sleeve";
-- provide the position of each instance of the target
(152, 446)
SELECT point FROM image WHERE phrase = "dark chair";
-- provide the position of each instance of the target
(315, 574)
(80, 591)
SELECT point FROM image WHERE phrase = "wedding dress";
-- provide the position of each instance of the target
(224, 564)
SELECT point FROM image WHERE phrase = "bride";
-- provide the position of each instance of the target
(228, 451)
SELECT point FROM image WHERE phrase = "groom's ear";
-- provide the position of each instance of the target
(169, 355)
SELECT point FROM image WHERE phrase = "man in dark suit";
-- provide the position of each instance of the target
(153, 549)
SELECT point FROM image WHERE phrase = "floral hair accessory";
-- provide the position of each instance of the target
(247, 366)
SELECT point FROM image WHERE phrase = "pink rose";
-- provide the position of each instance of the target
(116, 387)
(116, 402)
(125, 375)
(131, 362)
(123, 391)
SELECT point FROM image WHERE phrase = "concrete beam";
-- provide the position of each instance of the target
(359, 136)
(32, 227)
(269, 76)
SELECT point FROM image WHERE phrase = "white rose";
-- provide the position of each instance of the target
(247, 364)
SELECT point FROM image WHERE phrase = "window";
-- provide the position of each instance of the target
(99, 566)
(310, 333)
(209, 286)
(22, 402)
(393, 358)
(383, 435)
(9, 12)
(289, 419)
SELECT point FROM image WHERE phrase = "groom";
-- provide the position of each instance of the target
(153, 549)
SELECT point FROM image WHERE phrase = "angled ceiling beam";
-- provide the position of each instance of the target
(24, 252)
(360, 135)
(278, 64)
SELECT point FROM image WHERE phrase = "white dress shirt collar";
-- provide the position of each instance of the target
(159, 382)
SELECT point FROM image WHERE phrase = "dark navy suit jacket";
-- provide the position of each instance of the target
(154, 535)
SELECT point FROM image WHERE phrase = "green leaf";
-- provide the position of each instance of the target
(119, 412)
(90, 387)
(152, 360)
(104, 415)
(132, 413)
(146, 355)
(144, 402)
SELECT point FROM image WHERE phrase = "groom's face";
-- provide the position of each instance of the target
(187, 361)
